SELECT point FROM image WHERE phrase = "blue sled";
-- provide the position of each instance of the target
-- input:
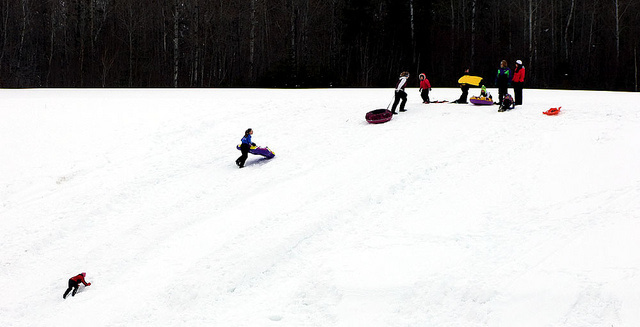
(265, 152)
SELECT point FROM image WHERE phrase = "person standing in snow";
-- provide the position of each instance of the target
(465, 89)
(400, 93)
(425, 87)
(245, 147)
(518, 82)
(503, 78)
(74, 284)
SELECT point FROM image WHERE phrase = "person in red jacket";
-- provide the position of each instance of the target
(518, 82)
(425, 87)
(74, 283)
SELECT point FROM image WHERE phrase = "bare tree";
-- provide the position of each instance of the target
(619, 13)
(5, 28)
(23, 28)
(176, 41)
(531, 42)
(252, 39)
(339, 42)
(473, 31)
(131, 18)
(566, 30)
(413, 31)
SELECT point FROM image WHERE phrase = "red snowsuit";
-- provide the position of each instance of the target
(424, 84)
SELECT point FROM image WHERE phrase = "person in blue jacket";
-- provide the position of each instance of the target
(244, 147)
(503, 79)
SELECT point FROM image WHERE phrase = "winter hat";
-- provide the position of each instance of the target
(422, 76)
(84, 274)
(484, 88)
(519, 62)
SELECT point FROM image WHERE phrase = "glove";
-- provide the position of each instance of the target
(253, 144)
(88, 284)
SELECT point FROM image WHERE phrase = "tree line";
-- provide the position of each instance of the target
(588, 44)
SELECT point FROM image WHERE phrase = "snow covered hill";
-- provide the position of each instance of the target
(449, 215)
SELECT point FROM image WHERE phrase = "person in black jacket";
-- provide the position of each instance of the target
(465, 90)
(503, 79)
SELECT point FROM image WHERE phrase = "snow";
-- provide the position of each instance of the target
(448, 215)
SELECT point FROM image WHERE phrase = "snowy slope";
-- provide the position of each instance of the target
(449, 215)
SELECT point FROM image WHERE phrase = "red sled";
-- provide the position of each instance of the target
(552, 111)
(378, 116)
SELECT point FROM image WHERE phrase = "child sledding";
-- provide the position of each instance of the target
(483, 99)
(507, 103)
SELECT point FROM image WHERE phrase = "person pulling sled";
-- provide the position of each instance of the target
(245, 147)
(74, 284)
(400, 94)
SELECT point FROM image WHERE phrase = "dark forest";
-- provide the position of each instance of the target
(576, 44)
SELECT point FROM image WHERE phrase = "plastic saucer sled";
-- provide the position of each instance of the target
(378, 116)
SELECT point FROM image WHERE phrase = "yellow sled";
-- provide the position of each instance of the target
(471, 80)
